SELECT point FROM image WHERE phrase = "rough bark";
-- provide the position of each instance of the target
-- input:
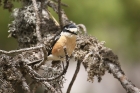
(35, 29)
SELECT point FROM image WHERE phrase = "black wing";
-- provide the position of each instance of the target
(55, 40)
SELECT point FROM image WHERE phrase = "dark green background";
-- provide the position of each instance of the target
(117, 22)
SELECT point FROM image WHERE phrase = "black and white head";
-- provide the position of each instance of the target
(69, 30)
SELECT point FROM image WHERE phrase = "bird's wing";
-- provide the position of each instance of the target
(55, 40)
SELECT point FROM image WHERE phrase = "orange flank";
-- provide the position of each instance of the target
(69, 43)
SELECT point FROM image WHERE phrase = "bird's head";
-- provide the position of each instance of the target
(69, 30)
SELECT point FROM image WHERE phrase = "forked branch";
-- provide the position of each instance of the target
(33, 26)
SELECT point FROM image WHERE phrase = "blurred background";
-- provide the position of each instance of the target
(117, 22)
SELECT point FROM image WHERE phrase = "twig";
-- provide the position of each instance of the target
(56, 23)
(25, 85)
(44, 58)
(39, 34)
(85, 58)
(61, 3)
(74, 76)
(77, 70)
(83, 28)
(54, 6)
(14, 52)
(34, 74)
(37, 22)
(50, 87)
(59, 14)
(120, 75)
(34, 62)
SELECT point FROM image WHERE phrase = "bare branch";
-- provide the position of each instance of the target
(54, 6)
(14, 52)
(74, 76)
(60, 14)
(39, 34)
(29, 28)
(120, 75)
(63, 4)
(37, 21)
(77, 71)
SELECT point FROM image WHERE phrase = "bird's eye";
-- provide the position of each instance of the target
(66, 28)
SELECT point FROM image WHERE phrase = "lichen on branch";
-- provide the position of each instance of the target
(35, 29)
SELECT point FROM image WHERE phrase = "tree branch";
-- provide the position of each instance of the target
(33, 74)
(39, 34)
(120, 75)
(60, 14)
(37, 22)
(74, 76)
(14, 52)
(31, 29)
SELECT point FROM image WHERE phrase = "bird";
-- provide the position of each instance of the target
(66, 39)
